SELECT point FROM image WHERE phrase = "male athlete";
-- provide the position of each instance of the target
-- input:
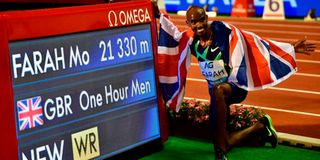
(213, 44)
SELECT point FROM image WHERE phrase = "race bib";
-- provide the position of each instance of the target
(214, 71)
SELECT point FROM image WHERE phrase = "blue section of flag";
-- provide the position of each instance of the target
(242, 73)
(168, 90)
(276, 64)
(166, 39)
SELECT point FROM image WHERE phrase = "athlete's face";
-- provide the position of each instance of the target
(197, 20)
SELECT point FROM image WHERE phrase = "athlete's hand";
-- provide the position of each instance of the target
(302, 47)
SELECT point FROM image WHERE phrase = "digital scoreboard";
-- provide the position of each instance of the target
(78, 89)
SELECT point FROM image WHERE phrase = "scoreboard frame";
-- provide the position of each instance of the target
(25, 25)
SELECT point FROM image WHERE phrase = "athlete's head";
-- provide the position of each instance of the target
(197, 20)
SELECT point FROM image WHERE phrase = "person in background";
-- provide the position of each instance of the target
(215, 52)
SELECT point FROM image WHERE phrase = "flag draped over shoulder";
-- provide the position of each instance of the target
(258, 63)
(255, 63)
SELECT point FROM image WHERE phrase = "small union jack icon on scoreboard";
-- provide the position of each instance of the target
(30, 113)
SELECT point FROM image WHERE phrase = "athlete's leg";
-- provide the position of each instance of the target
(223, 95)
(219, 117)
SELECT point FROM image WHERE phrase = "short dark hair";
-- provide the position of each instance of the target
(193, 8)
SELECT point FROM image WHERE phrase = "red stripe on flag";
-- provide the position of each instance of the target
(234, 40)
(183, 44)
(259, 66)
(171, 64)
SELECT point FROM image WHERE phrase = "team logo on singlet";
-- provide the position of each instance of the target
(214, 71)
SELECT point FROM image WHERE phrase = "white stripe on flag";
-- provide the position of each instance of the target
(167, 50)
(286, 47)
(169, 80)
(180, 99)
(170, 28)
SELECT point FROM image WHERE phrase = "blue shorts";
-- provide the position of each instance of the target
(237, 95)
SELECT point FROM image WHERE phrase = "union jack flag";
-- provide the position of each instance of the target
(173, 61)
(30, 113)
(256, 63)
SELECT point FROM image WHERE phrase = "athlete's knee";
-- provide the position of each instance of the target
(223, 89)
(218, 91)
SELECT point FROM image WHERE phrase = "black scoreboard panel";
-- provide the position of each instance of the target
(85, 95)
